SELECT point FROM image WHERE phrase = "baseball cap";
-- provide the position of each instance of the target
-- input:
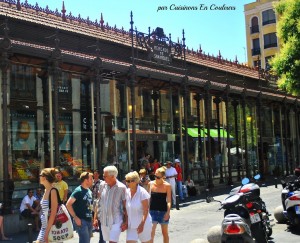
(177, 161)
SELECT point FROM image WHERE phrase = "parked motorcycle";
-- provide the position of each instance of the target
(255, 204)
(245, 215)
(290, 197)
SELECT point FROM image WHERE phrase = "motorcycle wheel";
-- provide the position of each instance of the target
(270, 232)
(259, 233)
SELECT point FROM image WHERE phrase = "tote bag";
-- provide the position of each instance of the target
(62, 228)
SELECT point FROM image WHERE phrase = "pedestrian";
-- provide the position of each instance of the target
(80, 207)
(47, 178)
(62, 187)
(28, 209)
(144, 178)
(3, 237)
(171, 175)
(11, 188)
(149, 170)
(137, 207)
(192, 191)
(95, 190)
(38, 195)
(179, 179)
(155, 165)
(111, 208)
(218, 162)
(160, 203)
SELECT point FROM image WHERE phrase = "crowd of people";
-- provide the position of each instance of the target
(109, 206)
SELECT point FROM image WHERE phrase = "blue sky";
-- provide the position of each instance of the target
(214, 30)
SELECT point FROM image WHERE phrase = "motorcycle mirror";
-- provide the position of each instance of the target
(257, 177)
(245, 181)
(209, 199)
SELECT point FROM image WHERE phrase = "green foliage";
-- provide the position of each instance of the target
(286, 64)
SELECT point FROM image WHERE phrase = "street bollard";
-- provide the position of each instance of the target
(275, 182)
(177, 202)
(206, 193)
(29, 233)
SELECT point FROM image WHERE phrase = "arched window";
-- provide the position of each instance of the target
(254, 25)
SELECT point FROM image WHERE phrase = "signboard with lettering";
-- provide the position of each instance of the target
(161, 52)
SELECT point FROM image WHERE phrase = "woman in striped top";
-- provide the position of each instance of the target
(47, 178)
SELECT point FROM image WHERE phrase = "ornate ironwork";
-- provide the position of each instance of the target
(157, 41)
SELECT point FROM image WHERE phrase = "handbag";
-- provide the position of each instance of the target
(62, 227)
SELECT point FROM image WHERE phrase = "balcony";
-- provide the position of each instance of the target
(255, 51)
(254, 29)
(269, 21)
(266, 46)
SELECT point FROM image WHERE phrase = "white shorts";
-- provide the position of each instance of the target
(111, 233)
(143, 237)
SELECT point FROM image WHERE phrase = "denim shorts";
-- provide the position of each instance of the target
(158, 217)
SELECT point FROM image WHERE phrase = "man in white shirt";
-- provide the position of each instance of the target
(171, 175)
(27, 209)
(111, 206)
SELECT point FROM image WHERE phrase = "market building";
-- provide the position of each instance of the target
(79, 94)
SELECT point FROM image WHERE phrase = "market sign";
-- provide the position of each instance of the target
(161, 52)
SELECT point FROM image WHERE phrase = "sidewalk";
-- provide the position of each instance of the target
(23, 237)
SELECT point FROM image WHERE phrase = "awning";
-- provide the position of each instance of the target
(214, 133)
(193, 132)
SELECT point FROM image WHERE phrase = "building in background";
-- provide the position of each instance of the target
(262, 41)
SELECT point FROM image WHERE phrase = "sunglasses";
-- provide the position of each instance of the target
(128, 181)
(41, 175)
(157, 177)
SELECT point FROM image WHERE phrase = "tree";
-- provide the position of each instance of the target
(286, 63)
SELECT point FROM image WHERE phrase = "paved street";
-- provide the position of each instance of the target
(195, 219)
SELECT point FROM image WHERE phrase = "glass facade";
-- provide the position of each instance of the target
(159, 117)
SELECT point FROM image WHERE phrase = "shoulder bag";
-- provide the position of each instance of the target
(62, 228)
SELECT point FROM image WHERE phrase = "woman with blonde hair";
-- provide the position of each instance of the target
(137, 206)
(160, 203)
(47, 178)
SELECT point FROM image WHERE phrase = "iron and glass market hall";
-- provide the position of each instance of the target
(79, 95)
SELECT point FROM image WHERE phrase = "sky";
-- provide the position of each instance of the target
(211, 28)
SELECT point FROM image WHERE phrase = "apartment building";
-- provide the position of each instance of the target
(262, 41)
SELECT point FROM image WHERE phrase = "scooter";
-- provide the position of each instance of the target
(243, 217)
(236, 225)
(255, 205)
(290, 197)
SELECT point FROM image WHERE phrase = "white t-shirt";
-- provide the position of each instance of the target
(171, 172)
(134, 207)
(26, 200)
